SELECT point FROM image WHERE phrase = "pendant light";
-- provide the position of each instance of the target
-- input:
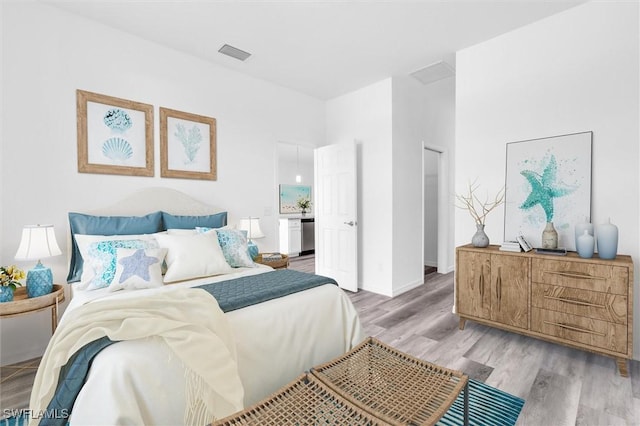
(298, 176)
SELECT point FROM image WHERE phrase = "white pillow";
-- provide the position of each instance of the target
(99, 256)
(193, 256)
(138, 269)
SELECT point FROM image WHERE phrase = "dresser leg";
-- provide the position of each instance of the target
(622, 367)
(462, 323)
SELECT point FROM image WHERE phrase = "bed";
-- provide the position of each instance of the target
(178, 358)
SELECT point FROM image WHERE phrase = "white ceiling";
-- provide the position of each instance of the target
(321, 48)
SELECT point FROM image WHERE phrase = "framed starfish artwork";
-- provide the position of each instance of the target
(548, 180)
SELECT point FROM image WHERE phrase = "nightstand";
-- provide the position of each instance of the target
(23, 305)
(275, 264)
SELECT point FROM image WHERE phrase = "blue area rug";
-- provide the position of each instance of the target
(488, 406)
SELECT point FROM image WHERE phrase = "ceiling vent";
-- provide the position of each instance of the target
(234, 52)
(433, 72)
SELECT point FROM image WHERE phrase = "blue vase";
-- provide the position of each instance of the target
(6, 294)
(581, 227)
(585, 244)
(607, 240)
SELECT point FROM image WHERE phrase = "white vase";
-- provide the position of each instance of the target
(607, 240)
(585, 244)
(581, 227)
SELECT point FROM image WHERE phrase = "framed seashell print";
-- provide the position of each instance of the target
(115, 136)
(187, 145)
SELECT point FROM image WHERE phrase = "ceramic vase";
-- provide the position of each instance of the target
(549, 237)
(480, 239)
(607, 240)
(39, 281)
(585, 244)
(6, 294)
(581, 227)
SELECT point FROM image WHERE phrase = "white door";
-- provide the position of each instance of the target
(336, 214)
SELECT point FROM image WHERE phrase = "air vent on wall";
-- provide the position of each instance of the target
(234, 52)
(434, 72)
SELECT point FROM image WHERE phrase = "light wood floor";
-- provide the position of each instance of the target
(561, 386)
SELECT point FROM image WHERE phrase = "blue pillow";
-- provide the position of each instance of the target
(217, 220)
(106, 225)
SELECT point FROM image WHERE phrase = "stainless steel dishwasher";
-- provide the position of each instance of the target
(308, 236)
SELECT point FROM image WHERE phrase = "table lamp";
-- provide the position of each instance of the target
(252, 226)
(38, 242)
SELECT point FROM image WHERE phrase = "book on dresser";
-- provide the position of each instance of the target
(513, 246)
(582, 303)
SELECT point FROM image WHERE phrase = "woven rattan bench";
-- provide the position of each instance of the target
(394, 386)
(373, 384)
(305, 401)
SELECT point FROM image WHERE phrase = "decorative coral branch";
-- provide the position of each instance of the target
(479, 209)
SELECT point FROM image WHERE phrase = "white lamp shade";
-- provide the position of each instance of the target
(252, 226)
(38, 242)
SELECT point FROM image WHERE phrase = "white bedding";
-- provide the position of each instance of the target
(142, 382)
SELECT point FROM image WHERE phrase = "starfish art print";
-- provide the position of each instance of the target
(544, 188)
(548, 180)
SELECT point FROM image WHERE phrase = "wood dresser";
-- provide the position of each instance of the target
(582, 303)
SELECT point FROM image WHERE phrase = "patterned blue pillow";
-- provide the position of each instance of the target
(234, 247)
(102, 256)
(84, 224)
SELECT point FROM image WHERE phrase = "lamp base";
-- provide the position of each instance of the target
(39, 281)
(253, 250)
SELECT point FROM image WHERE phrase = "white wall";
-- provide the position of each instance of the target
(572, 72)
(388, 120)
(47, 55)
(365, 116)
(406, 164)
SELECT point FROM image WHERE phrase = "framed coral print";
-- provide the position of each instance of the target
(115, 136)
(548, 180)
(187, 145)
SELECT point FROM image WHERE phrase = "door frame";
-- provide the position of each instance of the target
(443, 202)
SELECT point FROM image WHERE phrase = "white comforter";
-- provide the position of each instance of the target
(143, 382)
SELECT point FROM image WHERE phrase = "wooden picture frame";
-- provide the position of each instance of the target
(184, 151)
(115, 136)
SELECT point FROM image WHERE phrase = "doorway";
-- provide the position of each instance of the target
(435, 223)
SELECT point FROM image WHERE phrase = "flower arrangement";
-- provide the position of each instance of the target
(304, 204)
(479, 209)
(9, 276)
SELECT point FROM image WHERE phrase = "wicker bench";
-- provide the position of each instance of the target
(305, 401)
(371, 384)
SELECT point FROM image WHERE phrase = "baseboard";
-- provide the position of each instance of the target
(407, 287)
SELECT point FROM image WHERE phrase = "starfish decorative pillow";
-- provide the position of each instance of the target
(138, 269)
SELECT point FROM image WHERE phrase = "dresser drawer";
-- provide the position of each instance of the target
(584, 275)
(587, 331)
(592, 304)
